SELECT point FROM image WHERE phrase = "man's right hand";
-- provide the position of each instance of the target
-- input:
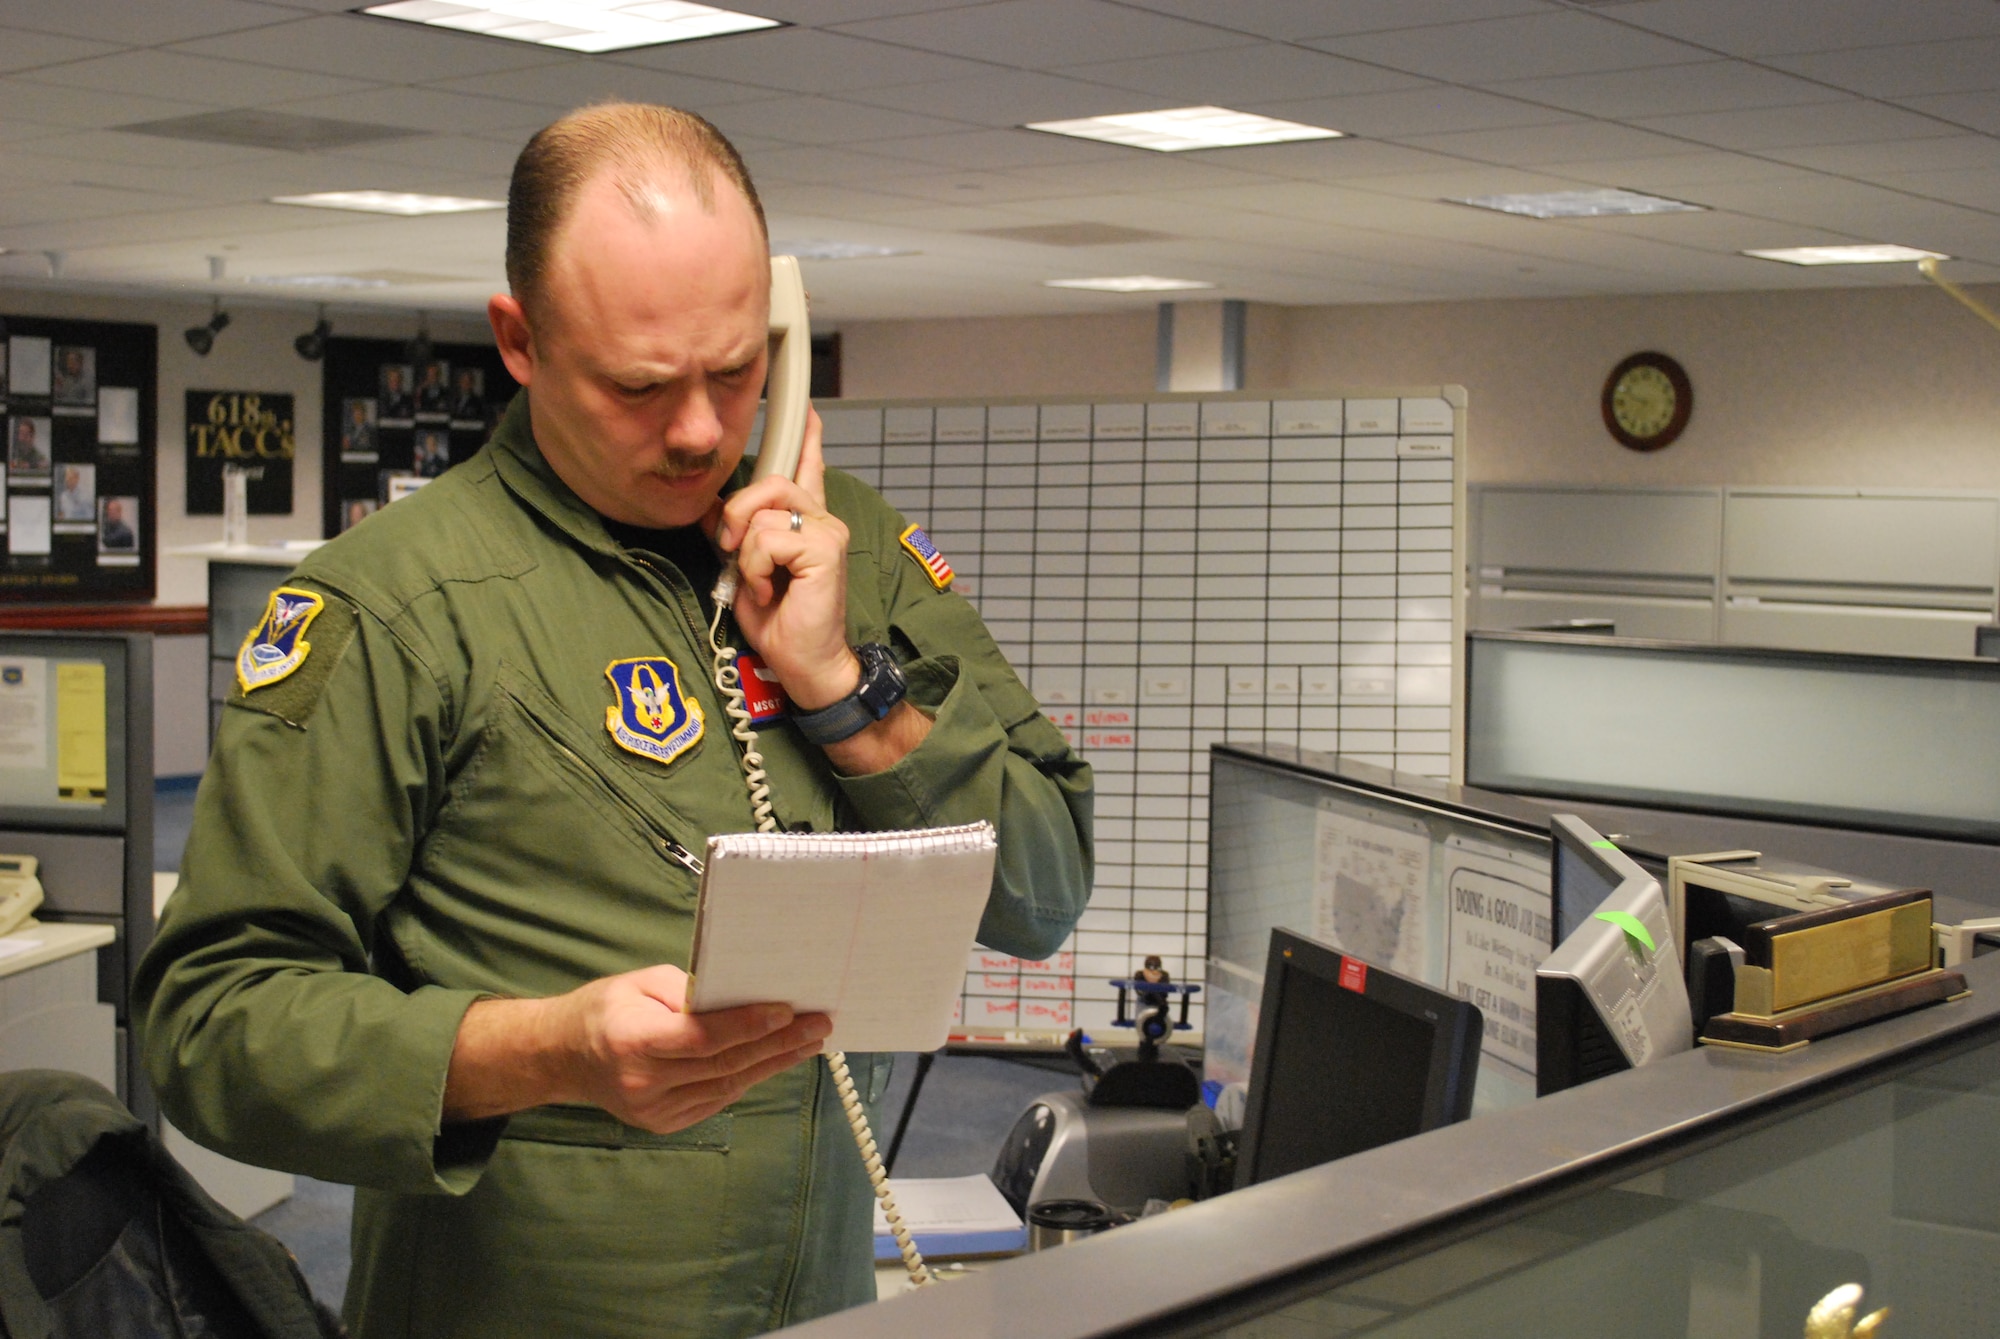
(624, 1043)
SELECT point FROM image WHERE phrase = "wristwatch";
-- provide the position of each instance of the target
(881, 688)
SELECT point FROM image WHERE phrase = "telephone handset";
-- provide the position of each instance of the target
(787, 393)
(20, 891)
(786, 399)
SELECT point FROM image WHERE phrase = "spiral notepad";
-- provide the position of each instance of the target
(871, 928)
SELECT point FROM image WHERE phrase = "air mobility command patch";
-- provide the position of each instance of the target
(277, 645)
(918, 545)
(652, 718)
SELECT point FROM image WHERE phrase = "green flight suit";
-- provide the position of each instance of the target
(430, 807)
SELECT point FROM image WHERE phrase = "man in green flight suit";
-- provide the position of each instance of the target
(433, 912)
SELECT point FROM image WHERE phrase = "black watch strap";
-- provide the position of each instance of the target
(881, 688)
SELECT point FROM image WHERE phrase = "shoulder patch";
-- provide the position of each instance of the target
(918, 545)
(652, 717)
(280, 671)
(277, 645)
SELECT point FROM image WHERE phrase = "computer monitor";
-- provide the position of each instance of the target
(64, 703)
(1349, 1057)
(1585, 870)
(1611, 996)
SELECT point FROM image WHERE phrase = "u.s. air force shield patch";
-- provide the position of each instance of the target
(652, 717)
(278, 645)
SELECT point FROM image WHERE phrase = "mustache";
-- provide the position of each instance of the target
(687, 464)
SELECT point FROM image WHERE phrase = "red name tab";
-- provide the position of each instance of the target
(763, 696)
(1354, 975)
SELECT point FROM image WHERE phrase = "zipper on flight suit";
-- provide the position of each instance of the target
(667, 846)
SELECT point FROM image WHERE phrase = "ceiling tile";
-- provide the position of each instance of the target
(111, 146)
(1418, 111)
(819, 121)
(1042, 34)
(832, 164)
(1288, 20)
(461, 155)
(803, 60)
(576, 83)
(1978, 189)
(1328, 159)
(1681, 171)
(1144, 172)
(173, 74)
(1244, 75)
(1773, 27)
(21, 50)
(1581, 141)
(378, 49)
(1527, 47)
(1711, 86)
(142, 24)
(428, 109)
(1850, 122)
(974, 189)
(52, 105)
(1008, 98)
(1945, 153)
(1974, 111)
(1968, 65)
(826, 13)
(974, 149)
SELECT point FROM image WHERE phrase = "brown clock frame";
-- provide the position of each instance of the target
(1676, 376)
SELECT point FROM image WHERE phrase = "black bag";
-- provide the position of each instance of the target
(104, 1236)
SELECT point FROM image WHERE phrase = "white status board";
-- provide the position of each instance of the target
(1172, 572)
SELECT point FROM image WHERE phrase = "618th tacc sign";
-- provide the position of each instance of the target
(246, 428)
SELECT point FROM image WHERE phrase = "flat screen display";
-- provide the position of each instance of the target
(1578, 886)
(62, 732)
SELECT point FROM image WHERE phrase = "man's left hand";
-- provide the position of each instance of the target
(792, 602)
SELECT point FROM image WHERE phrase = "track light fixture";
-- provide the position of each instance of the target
(201, 338)
(312, 344)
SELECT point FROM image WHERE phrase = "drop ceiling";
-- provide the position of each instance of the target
(896, 124)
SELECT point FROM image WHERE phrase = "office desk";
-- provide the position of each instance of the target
(50, 1017)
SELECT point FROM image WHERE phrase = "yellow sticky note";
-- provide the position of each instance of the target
(80, 757)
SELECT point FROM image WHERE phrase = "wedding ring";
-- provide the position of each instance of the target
(798, 523)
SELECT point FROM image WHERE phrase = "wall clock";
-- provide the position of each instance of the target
(1647, 400)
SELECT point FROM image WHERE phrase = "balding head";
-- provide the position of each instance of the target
(651, 153)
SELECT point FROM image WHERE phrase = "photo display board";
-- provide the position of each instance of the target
(80, 469)
(392, 425)
(1170, 573)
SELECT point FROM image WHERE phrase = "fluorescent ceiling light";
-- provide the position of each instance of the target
(1128, 283)
(1867, 253)
(389, 202)
(577, 25)
(1181, 128)
(836, 250)
(1580, 204)
(317, 281)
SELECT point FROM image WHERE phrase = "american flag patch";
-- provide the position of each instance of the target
(926, 553)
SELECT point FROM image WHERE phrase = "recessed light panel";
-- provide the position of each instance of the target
(1580, 204)
(1128, 283)
(1179, 129)
(389, 202)
(1870, 253)
(577, 25)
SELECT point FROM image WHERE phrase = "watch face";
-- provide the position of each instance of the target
(1643, 401)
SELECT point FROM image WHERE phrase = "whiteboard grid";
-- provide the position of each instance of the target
(1169, 573)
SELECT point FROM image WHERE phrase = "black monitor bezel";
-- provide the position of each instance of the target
(1454, 1067)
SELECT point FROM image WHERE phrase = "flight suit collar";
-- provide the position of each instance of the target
(528, 474)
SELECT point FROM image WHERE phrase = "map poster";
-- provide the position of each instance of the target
(1371, 879)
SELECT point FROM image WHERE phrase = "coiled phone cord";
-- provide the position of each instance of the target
(729, 681)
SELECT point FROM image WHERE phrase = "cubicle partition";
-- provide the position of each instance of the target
(1388, 869)
(76, 792)
(1880, 743)
(1715, 1193)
